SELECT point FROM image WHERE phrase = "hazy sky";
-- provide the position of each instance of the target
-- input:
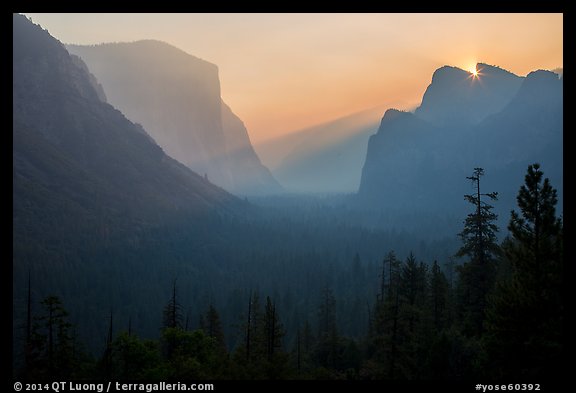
(283, 72)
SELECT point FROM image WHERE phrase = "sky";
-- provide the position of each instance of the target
(284, 72)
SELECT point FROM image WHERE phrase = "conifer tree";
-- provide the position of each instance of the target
(327, 349)
(173, 311)
(172, 322)
(525, 315)
(212, 327)
(479, 246)
(273, 329)
(51, 341)
(439, 298)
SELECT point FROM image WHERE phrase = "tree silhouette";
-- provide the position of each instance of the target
(107, 357)
(212, 327)
(173, 311)
(327, 348)
(273, 329)
(51, 341)
(439, 298)
(172, 321)
(476, 275)
(524, 336)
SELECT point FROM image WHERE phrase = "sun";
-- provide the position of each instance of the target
(474, 72)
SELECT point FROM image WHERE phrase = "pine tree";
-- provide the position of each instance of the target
(390, 269)
(172, 323)
(51, 341)
(254, 334)
(212, 327)
(261, 356)
(277, 361)
(439, 298)
(384, 330)
(393, 274)
(107, 358)
(412, 281)
(273, 329)
(328, 339)
(479, 233)
(173, 311)
(477, 274)
(525, 316)
(412, 332)
(303, 348)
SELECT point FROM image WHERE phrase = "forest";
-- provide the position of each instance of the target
(300, 292)
(133, 262)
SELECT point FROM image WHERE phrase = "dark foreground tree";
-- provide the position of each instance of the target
(327, 349)
(172, 321)
(212, 327)
(51, 343)
(439, 298)
(525, 317)
(477, 274)
(173, 310)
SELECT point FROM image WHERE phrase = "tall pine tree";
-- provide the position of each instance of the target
(51, 341)
(479, 246)
(172, 323)
(525, 317)
(327, 352)
(173, 311)
(439, 298)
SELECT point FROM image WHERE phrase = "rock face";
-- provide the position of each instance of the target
(457, 97)
(80, 168)
(176, 97)
(396, 158)
(499, 121)
(93, 81)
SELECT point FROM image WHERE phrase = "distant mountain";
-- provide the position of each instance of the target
(324, 158)
(398, 159)
(81, 170)
(176, 97)
(458, 97)
(419, 162)
(529, 129)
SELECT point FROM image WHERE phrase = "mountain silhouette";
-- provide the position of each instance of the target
(176, 97)
(501, 122)
(457, 97)
(81, 170)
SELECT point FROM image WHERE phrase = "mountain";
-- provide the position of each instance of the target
(329, 157)
(80, 167)
(529, 129)
(397, 159)
(419, 162)
(100, 213)
(176, 97)
(324, 158)
(458, 97)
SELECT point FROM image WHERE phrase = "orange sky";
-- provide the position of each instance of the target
(283, 72)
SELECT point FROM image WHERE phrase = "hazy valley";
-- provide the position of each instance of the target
(140, 202)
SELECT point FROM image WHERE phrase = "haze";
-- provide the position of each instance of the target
(284, 72)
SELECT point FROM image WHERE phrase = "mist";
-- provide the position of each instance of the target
(159, 235)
